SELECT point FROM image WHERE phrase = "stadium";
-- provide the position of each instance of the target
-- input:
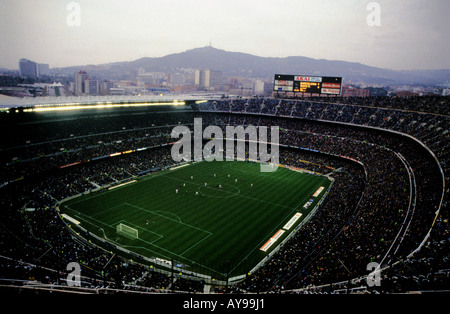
(356, 204)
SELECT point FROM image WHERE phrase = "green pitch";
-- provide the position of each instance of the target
(212, 218)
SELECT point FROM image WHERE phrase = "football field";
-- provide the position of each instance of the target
(214, 218)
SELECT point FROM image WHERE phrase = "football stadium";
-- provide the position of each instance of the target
(93, 201)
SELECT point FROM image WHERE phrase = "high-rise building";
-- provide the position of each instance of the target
(80, 77)
(215, 78)
(32, 69)
(197, 77)
(208, 78)
(28, 68)
(43, 69)
(91, 87)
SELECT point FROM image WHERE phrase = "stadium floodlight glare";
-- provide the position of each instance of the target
(103, 106)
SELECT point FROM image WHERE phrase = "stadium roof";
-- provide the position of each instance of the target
(8, 101)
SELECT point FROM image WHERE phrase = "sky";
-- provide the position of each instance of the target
(410, 35)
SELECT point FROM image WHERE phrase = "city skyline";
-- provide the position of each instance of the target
(411, 34)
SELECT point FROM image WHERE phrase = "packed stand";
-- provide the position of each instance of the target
(378, 209)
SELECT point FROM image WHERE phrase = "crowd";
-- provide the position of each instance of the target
(396, 195)
(379, 209)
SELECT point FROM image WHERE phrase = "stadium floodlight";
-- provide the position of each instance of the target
(100, 105)
(127, 231)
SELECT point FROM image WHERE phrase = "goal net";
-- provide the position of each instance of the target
(127, 231)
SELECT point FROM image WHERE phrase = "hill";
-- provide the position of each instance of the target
(247, 65)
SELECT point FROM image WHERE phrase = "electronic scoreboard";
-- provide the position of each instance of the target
(307, 84)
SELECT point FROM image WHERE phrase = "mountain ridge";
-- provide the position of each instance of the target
(248, 65)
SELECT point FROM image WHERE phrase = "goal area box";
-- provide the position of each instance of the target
(127, 231)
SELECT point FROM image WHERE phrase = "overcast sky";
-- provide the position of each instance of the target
(414, 34)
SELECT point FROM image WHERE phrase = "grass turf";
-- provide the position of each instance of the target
(204, 228)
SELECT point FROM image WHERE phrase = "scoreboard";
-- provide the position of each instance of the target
(308, 84)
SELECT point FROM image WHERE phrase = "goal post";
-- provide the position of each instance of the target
(127, 231)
